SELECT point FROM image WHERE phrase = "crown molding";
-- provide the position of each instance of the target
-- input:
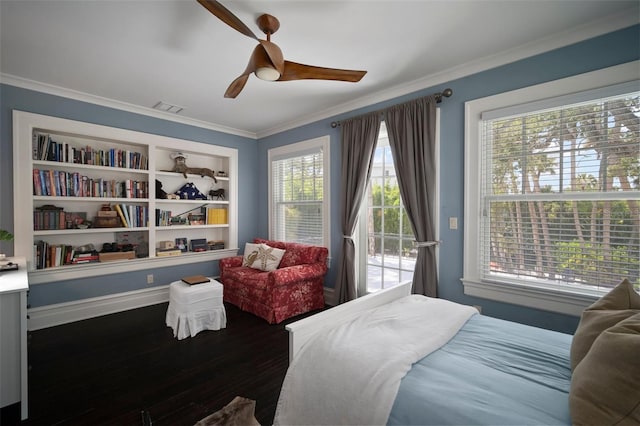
(64, 92)
(589, 30)
(577, 34)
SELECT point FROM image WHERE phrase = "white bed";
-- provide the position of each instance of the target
(303, 330)
(362, 363)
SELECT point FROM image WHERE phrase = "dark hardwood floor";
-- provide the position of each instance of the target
(107, 370)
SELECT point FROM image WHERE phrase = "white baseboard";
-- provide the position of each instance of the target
(63, 313)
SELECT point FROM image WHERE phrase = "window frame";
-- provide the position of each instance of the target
(299, 149)
(567, 300)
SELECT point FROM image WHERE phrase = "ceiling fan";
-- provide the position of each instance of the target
(267, 61)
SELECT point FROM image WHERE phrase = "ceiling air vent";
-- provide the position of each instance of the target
(163, 106)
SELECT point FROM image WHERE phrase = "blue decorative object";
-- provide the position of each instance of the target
(190, 192)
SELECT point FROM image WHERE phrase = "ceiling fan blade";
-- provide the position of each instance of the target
(295, 71)
(227, 17)
(236, 86)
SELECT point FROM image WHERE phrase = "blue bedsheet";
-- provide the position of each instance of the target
(493, 372)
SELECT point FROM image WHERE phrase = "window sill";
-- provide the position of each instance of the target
(532, 296)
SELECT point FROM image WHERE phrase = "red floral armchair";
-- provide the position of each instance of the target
(294, 288)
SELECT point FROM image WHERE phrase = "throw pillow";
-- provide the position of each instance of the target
(618, 305)
(250, 253)
(604, 386)
(262, 257)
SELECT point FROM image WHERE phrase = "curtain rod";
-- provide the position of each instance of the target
(446, 93)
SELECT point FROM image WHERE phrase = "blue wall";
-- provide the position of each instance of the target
(31, 101)
(601, 52)
(608, 50)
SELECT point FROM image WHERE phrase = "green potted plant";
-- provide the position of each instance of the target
(5, 236)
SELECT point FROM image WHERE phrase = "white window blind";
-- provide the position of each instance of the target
(560, 195)
(297, 197)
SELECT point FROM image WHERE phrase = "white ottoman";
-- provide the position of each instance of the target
(193, 308)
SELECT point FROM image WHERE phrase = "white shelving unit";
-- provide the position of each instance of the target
(158, 151)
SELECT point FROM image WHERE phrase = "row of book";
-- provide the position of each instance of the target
(129, 216)
(207, 215)
(49, 219)
(132, 216)
(163, 217)
(45, 148)
(51, 255)
(58, 183)
(47, 255)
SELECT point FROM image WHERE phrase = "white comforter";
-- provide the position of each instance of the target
(350, 375)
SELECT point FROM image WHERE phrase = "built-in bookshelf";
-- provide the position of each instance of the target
(93, 192)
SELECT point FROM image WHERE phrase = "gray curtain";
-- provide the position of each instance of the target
(412, 130)
(359, 138)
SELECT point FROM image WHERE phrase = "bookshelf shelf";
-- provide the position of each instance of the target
(43, 164)
(107, 149)
(189, 175)
(87, 231)
(186, 202)
(189, 227)
(51, 198)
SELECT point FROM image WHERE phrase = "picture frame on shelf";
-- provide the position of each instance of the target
(181, 243)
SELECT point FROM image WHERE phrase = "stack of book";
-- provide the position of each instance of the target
(168, 252)
(215, 245)
(85, 257)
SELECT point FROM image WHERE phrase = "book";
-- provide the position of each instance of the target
(166, 253)
(125, 210)
(195, 279)
(122, 218)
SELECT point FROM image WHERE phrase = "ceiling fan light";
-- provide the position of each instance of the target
(267, 73)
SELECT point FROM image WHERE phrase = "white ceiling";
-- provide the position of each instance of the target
(133, 53)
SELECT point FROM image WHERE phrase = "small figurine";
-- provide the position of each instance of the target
(218, 194)
(181, 167)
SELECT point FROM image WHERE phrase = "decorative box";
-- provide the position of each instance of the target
(117, 255)
(106, 222)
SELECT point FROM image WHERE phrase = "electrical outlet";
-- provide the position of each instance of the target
(150, 279)
(453, 223)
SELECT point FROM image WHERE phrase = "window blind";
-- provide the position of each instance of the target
(560, 194)
(297, 202)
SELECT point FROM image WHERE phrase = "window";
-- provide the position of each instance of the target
(299, 209)
(386, 239)
(558, 197)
